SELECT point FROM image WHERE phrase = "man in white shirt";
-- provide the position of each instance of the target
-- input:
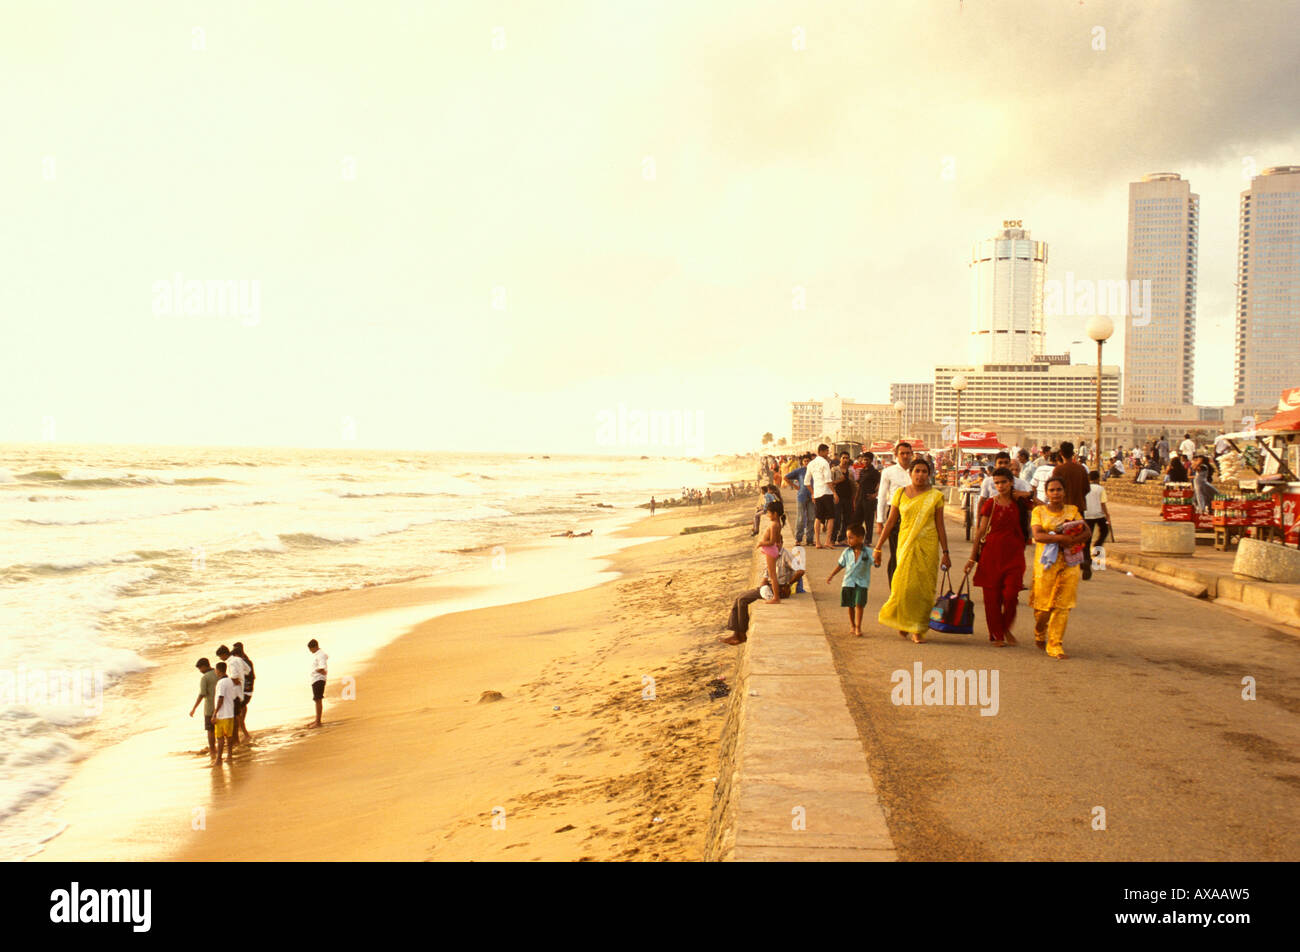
(988, 490)
(819, 479)
(223, 714)
(319, 670)
(1187, 447)
(237, 671)
(893, 477)
(1042, 473)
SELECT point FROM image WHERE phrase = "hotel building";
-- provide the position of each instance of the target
(1007, 273)
(840, 418)
(1048, 398)
(1160, 346)
(1268, 288)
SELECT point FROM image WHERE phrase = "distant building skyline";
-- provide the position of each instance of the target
(1160, 346)
(1268, 288)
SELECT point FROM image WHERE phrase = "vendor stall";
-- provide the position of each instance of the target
(1260, 493)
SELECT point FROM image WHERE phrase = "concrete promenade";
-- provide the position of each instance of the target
(796, 784)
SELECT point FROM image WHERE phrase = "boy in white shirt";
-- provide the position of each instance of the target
(237, 670)
(223, 714)
(1095, 512)
(319, 670)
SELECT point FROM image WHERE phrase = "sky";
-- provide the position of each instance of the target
(531, 227)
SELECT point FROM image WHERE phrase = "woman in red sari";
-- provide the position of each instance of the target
(1000, 556)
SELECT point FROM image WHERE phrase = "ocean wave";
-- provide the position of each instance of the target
(385, 492)
(83, 520)
(247, 608)
(470, 513)
(90, 479)
(258, 542)
(69, 565)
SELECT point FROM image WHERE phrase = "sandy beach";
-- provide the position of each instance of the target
(582, 757)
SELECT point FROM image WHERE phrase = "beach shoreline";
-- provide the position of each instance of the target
(446, 633)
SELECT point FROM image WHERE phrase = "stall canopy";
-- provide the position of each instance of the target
(1288, 413)
(881, 446)
(1285, 423)
(1288, 421)
(979, 441)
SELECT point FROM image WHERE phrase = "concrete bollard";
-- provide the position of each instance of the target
(1168, 538)
(1267, 561)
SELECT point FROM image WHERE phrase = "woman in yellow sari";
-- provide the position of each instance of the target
(1059, 530)
(922, 539)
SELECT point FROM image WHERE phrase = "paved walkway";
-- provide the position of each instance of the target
(1142, 746)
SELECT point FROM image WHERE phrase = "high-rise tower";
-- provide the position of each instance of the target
(1007, 273)
(1160, 346)
(1268, 288)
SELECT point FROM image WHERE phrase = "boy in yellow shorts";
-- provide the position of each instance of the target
(223, 715)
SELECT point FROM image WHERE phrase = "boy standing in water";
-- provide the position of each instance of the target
(857, 577)
(319, 670)
(223, 716)
(208, 678)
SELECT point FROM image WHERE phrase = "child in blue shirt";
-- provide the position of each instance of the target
(857, 577)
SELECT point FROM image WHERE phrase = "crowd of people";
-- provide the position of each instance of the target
(226, 690)
(1052, 501)
(703, 497)
(1188, 463)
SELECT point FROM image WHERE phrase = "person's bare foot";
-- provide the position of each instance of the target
(315, 724)
(918, 639)
(998, 644)
(1040, 645)
(733, 640)
(858, 633)
(1059, 657)
(1011, 639)
(902, 634)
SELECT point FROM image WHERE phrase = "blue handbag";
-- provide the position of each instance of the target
(953, 612)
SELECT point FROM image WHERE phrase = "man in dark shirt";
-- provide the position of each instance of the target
(1075, 479)
(845, 490)
(868, 487)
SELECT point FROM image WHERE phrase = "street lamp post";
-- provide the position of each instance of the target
(958, 385)
(1100, 327)
(869, 418)
(900, 406)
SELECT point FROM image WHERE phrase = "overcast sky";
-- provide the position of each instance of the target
(479, 225)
